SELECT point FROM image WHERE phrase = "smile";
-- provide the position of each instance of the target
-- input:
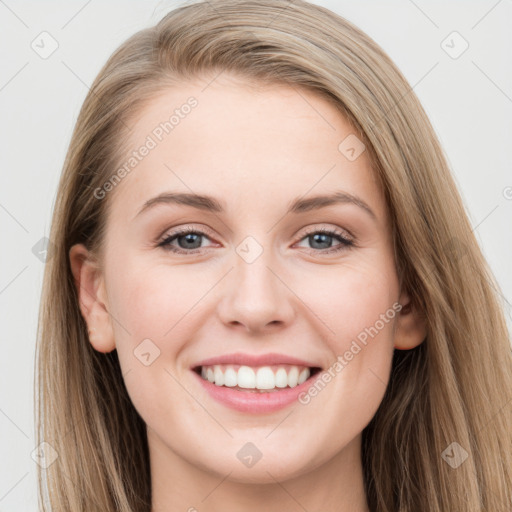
(256, 379)
(255, 383)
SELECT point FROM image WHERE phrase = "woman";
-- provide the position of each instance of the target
(337, 344)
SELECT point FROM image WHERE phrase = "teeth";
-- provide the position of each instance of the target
(230, 378)
(265, 378)
(293, 377)
(262, 378)
(303, 375)
(281, 378)
(246, 377)
(219, 376)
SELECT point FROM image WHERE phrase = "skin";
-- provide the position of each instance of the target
(255, 149)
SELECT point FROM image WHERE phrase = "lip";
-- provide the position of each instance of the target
(255, 402)
(256, 360)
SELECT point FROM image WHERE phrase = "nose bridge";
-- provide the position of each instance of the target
(254, 296)
(254, 278)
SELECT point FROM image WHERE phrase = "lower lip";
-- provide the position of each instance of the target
(255, 402)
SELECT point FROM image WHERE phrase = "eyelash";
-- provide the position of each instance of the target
(345, 243)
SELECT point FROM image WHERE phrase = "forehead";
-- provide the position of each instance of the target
(253, 146)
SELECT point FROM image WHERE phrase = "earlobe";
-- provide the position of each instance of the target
(90, 286)
(411, 325)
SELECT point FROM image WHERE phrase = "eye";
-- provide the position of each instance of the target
(187, 239)
(321, 240)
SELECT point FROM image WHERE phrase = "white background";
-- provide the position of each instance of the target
(468, 99)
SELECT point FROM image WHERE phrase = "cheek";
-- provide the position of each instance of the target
(150, 302)
(150, 307)
(357, 316)
(350, 299)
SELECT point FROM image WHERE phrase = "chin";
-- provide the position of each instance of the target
(276, 465)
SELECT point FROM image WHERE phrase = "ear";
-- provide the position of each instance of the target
(411, 325)
(92, 297)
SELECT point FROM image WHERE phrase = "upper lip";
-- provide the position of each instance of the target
(255, 360)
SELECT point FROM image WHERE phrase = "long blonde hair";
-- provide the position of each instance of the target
(452, 388)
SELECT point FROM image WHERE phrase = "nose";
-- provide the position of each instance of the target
(256, 297)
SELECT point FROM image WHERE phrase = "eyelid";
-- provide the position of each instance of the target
(345, 233)
(177, 230)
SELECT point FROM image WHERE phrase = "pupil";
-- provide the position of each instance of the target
(189, 237)
(320, 238)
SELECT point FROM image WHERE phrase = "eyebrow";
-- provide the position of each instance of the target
(299, 205)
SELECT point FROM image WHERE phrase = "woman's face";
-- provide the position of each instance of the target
(266, 271)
